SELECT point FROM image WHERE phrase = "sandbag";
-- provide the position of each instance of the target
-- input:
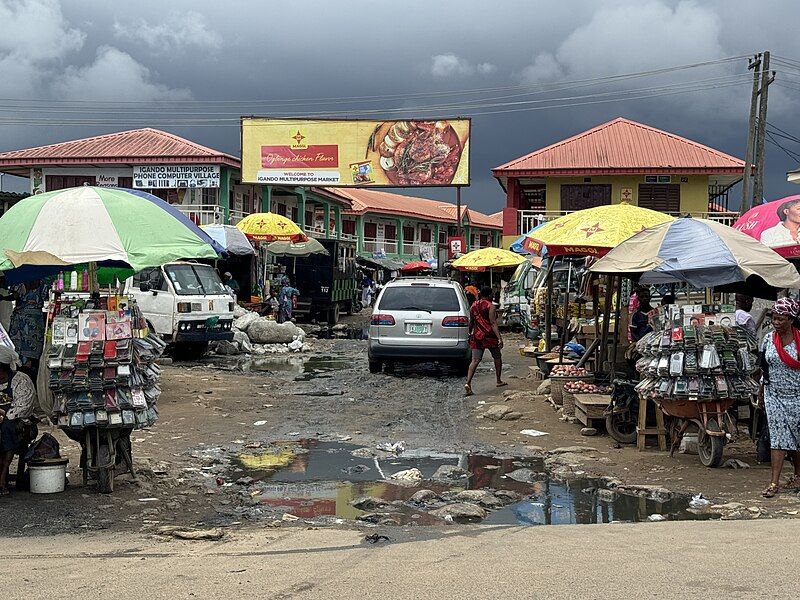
(264, 331)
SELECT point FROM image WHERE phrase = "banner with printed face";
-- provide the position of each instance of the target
(409, 153)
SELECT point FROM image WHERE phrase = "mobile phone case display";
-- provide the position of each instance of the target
(697, 363)
(102, 364)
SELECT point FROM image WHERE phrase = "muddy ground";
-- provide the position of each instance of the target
(214, 412)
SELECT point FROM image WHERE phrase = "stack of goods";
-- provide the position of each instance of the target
(102, 364)
(697, 363)
(585, 387)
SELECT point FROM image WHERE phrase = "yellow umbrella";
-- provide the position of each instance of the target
(593, 231)
(269, 227)
(487, 259)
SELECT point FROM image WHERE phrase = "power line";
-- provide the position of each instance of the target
(793, 155)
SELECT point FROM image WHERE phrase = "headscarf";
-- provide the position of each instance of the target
(787, 306)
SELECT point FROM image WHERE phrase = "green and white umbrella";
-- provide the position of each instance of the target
(107, 226)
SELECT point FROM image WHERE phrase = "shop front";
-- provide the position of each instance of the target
(201, 182)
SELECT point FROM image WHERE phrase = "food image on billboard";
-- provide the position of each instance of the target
(403, 153)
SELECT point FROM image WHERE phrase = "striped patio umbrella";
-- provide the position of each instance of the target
(107, 226)
(269, 227)
(230, 238)
(703, 254)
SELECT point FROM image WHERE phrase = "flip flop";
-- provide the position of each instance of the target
(770, 490)
(501, 384)
(467, 389)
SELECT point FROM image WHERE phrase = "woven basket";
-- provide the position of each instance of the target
(568, 405)
(557, 387)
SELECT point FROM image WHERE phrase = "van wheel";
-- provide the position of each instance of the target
(375, 366)
(333, 314)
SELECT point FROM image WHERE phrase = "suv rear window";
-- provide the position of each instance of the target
(409, 297)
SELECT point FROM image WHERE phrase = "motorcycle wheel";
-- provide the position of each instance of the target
(622, 427)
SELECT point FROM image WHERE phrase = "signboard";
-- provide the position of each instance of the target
(355, 153)
(175, 176)
(106, 180)
(456, 246)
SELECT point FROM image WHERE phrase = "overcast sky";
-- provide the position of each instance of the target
(263, 52)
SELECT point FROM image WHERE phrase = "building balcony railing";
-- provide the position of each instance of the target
(202, 214)
(528, 219)
(375, 245)
(236, 215)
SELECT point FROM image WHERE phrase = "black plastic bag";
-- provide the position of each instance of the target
(45, 447)
(763, 448)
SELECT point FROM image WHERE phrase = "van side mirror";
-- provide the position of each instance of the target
(144, 286)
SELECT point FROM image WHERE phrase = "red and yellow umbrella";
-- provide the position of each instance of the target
(269, 227)
(593, 231)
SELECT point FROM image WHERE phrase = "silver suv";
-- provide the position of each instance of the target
(419, 319)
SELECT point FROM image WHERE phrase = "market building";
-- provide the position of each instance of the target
(407, 227)
(617, 161)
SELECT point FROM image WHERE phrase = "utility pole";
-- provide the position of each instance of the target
(766, 79)
(755, 65)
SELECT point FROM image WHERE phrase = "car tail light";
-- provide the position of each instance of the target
(455, 322)
(382, 320)
(184, 307)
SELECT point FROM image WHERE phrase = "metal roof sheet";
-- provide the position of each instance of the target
(622, 146)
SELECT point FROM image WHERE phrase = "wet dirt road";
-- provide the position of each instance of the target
(240, 443)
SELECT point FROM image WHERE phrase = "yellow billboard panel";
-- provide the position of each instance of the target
(410, 153)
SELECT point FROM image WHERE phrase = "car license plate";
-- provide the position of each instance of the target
(418, 329)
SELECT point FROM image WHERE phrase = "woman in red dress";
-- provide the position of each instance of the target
(484, 334)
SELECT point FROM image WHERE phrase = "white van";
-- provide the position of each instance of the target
(186, 304)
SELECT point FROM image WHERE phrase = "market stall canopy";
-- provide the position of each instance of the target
(774, 224)
(107, 226)
(390, 264)
(703, 254)
(232, 240)
(269, 227)
(415, 267)
(593, 231)
(519, 245)
(297, 249)
(486, 259)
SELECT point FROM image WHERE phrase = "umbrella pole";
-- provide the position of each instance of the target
(564, 328)
(548, 309)
(618, 321)
(602, 356)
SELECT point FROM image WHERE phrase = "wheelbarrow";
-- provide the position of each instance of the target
(715, 425)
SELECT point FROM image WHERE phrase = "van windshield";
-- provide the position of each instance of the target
(194, 280)
(412, 297)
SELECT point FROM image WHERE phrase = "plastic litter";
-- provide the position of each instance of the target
(699, 502)
(656, 518)
(533, 432)
(407, 475)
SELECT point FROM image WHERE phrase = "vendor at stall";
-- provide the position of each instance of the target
(27, 324)
(286, 300)
(15, 433)
(231, 284)
(744, 304)
(640, 319)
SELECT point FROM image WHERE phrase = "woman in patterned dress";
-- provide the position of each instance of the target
(782, 392)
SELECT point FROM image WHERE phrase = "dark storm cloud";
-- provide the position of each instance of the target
(270, 51)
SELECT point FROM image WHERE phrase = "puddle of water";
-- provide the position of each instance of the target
(297, 367)
(318, 479)
(346, 332)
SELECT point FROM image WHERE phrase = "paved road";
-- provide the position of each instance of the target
(673, 560)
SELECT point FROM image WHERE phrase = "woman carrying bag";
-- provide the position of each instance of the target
(782, 392)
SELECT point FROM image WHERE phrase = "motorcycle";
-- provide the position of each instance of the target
(622, 414)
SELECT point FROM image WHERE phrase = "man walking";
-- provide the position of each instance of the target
(484, 334)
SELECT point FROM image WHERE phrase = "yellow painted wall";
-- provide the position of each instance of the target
(507, 240)
(694, 191)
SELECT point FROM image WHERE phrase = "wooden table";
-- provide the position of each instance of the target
(590, 407)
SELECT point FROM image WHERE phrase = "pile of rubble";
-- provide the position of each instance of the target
(257, 335)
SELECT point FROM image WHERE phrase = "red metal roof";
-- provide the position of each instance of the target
(390, 204)
(622, 146)
(138, 146)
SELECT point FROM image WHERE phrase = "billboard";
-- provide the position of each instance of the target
(408, 153)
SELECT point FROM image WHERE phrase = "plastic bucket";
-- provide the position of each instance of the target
(48, 477)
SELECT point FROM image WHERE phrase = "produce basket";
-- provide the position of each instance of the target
(560, 375)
